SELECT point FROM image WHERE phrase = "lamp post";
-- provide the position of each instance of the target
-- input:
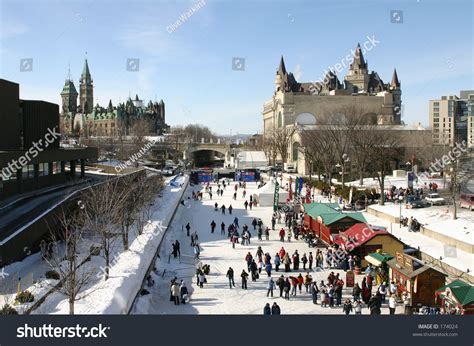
(400, 199)
(345, 159)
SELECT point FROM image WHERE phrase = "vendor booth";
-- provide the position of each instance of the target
(379, 260)
(457, 298)
(266, 194)
(362, 239)
(415, 278)
(327, 220)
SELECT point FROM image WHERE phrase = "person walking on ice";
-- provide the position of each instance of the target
(194, 238)
(213, 226)
(230, 276)
(244, 277)
(270, 287)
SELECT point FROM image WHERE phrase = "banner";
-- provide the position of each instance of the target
(276, 196)
(410, 178)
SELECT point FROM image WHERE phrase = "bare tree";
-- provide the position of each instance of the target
(383, 155)
(104, 210)
(280, 140)
(148, 188)
(65, 259)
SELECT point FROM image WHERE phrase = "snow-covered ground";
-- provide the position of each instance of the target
(456, 258)
(128, 268)
(438, 219)
(216, 297)
(397, 182)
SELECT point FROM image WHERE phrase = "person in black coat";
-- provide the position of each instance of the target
(374, 305)
(213, 226)
(244, 277)
(281, 284)
(230, 276)
(267, 310)
(254, 270)
(275, 309)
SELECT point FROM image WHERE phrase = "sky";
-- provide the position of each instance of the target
(190, 66)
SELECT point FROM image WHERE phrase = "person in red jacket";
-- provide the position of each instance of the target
(282, 252)
(282, 235)
(300, 281)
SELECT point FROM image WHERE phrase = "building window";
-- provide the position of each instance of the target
(436, 104)
(280, 120)
(7, 174)
(57, 167)
(435, 109)
(28, 172)
(296, 149)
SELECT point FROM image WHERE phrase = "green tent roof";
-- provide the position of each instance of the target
(382, 257)
(330, 212)
(462, 291)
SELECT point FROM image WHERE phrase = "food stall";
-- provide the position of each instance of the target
(457, 298)
(417, 279)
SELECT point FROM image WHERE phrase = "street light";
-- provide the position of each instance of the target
(400, 199)
(345, 159)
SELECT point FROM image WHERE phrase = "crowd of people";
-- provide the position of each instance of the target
(287, 275)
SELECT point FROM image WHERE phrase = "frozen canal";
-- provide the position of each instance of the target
(216, 297)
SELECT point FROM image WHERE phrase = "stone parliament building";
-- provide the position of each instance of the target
(88, 120)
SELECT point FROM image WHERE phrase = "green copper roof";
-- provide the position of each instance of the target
(69, 88)
(85, 70)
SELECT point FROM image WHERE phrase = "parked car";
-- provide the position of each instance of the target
(289, 168)
(411, 198)
(435, 199)
(416, 204)
(167, 171)
(467, 201)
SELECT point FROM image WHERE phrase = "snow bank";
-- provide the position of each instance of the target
(128, 268)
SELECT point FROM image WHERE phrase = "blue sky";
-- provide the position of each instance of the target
(191, 68)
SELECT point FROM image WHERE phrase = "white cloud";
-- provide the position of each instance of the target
(10, 28)
(298, 73)
(153, 41)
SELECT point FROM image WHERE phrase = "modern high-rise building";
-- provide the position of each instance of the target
(452, 119)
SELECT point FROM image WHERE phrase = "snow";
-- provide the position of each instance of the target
(369, 183)
(438, 219)
(456, 258)
(127, 271)
(216, 297)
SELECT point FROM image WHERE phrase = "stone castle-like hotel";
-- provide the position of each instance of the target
(88, 120)
(307, 103)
